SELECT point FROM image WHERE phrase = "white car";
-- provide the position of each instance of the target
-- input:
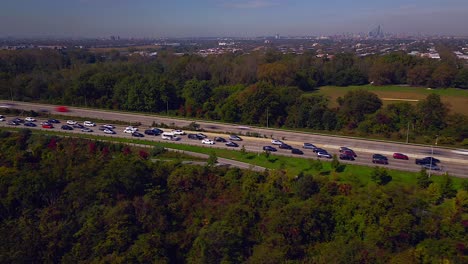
(132, 128)
(108, 126)
(207, 141)
(276, 142)
(178, 132)
(71, 122)
(89, 123)
(109, 131)
(30, 119)
(2, 119)
(129, 130)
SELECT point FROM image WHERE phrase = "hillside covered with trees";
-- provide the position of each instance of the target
(244, 89)
(68, 200)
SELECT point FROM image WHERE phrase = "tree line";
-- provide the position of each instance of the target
(252, 88)
(75, 200)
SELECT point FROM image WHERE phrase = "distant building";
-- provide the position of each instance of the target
(277, 36)
(376, 33)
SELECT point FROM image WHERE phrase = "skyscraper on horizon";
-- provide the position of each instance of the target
(376, 33)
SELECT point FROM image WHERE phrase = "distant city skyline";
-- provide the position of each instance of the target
(235, 18)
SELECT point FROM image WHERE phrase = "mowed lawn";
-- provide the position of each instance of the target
(457, 99)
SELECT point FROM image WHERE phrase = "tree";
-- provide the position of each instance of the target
(212, 159)
(335, 164)
(423, 180)
(306, 186)
(443, 76)
(380, 176)
(431, 113)
(461, 80)
(356, 104)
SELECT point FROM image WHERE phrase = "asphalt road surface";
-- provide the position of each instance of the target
(451, 162)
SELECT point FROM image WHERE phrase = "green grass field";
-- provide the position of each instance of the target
(457, 99)
(291, 165)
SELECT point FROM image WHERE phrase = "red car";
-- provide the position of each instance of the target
(62, 109)
(47, 126)
(400, 156)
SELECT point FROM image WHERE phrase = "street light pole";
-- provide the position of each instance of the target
(432, 154)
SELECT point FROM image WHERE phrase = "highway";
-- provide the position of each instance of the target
(451, 162)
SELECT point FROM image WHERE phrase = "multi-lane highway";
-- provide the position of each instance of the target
(451, 162)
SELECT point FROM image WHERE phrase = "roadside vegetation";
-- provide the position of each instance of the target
(75, 200)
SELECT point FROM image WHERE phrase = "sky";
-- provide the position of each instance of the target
(228, 18)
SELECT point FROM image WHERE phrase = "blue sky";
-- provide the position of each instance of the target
(184, 18)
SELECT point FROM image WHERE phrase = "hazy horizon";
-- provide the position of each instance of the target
(223, 18)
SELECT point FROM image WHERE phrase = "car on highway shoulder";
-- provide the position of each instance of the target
(86, 129)
(89, 124)
(67, 127)
(276, 142)
(178, 132)
(322, 154)
(401, 156)
(109, 131)
(137, 134)
(346, 156)
(296, 151)
(30, 119)
(431, 167)
(235, 138)
(232, 144)
(379, 159)
(71, 122)
(269, 148)
(29, 124)
(309, 146)
(207, 141)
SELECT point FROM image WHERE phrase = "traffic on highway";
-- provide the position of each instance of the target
(396, 160)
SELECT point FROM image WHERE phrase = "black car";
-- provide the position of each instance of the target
(13, 123)
(153, 132)
(67, 127)
(80, 126)
(18, 120)
(30, 124)
(219, 139)
(194, 136)
(269, 148)
(232, 144)
(137, 134)
(201, 136)
(102, 128)
(296, 151)
(379, 159)
(235, 138)
(344, 156)
(53, 121)
(427, 160)
(317, 150)
(285, 146)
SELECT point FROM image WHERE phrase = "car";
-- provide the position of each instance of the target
(296, 151)
(108, 126)
(232, 144)
(67, 127)
(235, 138)
(102, 128)
(53, 121)
(18, 120)
(317, 150)
(29, 124)
(13, 123)
(379, 159)
(324, 155)
(47, 125)
(128, 130)
(178, 132)
(347, 151)
(89, 124)
(71, 122)
(276, 142)
(109, 131)
(62, 109)
(201, 135)
(86, 129)
(431, 167)
(220, 139)
(427, 160)
(346, 156)
(153, 132)
(30, 119)
(269, 148)
(309, 146)
(285, 146)
(137, 134)
(193, 136)
(207, 141)
(401, 156)
(2, 118)
(132, 128)
(169, 136)
(79, 126)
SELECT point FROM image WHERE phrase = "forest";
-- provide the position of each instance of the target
(82, 201)
(248, 89)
